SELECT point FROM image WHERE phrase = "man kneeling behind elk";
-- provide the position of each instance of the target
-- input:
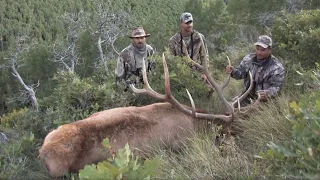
(267, 71)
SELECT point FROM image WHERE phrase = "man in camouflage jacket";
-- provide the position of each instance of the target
(189, 42)
(129, 62)
(267, 71)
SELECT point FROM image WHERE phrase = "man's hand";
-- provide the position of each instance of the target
(229, 69)
(262, 95)
(204, 77)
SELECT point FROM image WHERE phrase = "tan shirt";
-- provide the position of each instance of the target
(129, 61)
(196, 48)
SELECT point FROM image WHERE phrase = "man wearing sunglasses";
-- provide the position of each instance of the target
(189, 42)
(129, 62)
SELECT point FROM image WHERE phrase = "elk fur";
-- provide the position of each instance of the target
(72, 146)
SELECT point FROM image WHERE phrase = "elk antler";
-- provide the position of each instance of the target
(168, 97)
(228, 105)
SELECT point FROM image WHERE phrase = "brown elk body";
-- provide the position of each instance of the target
(72, 146)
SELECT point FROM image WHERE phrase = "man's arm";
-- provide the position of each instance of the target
(151, 52)
(241, 71)
(120, 68)
(276, 81)
(121, 72)
(204, 54)
(151, 64)
(172, 46)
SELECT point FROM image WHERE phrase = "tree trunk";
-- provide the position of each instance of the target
(101, 56)
(31, 93)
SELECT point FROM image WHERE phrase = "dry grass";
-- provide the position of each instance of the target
(267, 124)
(201, 159)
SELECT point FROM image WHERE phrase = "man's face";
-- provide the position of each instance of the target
(139, 41)
(262, 53)
(187, 27)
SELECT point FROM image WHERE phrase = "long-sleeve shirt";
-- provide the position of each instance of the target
(129, 62)
(196, 48)
(267, 74)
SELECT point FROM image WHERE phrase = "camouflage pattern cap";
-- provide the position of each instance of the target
(138, 32)
(264, 41)
(186, 17)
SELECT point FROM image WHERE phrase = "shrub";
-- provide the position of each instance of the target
(18, 161)
(10, 120)
(299, 157)
(124, 165)
(297, 36)
(75, 98)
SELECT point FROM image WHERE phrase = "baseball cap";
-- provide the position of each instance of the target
(264, 41)
(186, 17)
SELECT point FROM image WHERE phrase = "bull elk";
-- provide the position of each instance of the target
(72, 146)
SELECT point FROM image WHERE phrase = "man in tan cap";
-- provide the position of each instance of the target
(189, 42)
(129, 62)
(267, 71)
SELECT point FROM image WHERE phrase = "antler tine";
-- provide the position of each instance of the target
(246, 109)
(242, 110)
(167, 86)
(147, 89)
(247, 92)
(229, 76)
(170, 98)
(192, 104)
(217, 88)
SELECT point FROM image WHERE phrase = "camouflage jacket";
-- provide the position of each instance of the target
(129, 63)
(197, 51)
(267, 74)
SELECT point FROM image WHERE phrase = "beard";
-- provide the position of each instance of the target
(259, 57)
(140, 45)
(188, 29)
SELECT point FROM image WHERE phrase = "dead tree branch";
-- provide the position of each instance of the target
(14, 62)
(109, 25)
(66, 53)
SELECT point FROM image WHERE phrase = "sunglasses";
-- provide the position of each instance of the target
(139, 37)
